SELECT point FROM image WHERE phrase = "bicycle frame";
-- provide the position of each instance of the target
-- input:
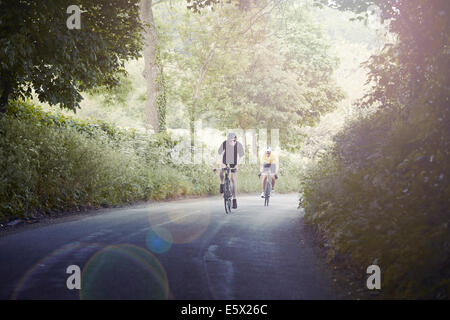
(267, 187)
(227, 195)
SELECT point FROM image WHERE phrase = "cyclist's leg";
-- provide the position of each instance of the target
(272, 168)
(264, 182)
(267, 186)
(221, 175)
(234, 184)
(234, 188)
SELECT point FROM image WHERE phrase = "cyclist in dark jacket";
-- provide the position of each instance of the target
(230, 151)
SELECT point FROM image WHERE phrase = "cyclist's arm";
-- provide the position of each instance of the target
(240, 155)
(219, 161)
(275, 163)
(219, 154)
(238, 160)
(262, 164)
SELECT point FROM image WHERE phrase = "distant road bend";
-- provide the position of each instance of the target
(188, 249)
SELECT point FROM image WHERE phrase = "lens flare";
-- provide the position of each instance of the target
(184, 225)
(159, 240)
(124, 272)
(52, 266)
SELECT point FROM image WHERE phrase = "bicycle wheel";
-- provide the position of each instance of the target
(227, 197)
(267, 192)
(227, 203)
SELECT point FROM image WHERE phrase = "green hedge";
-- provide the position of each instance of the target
(382, 196)
(50, 162)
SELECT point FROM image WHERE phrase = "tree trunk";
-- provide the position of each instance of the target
(151, 69)
(192, 135)
(6, 90)
(161, 100)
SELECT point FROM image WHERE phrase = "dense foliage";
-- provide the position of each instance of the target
(50, 162)
(382, 194)
(267, 66)
(40, 53)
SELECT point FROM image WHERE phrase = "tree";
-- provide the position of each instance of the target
(197, 5)
(390, 168)
(407, 68)
(286, 82)
(208, 45)
(153, 70)
(261, 64)
(39, 51)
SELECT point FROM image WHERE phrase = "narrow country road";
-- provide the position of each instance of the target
(186, 249)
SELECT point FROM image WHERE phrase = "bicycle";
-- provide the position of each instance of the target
(267, 187)
(227, 194)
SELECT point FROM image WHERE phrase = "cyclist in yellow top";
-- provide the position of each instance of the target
(269, 162)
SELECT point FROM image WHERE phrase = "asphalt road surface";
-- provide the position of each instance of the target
(188, 249)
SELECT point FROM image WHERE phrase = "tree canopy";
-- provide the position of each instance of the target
(267, 66)
(39, 51)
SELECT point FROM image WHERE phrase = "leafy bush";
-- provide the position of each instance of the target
(382, 196)
(50, 162)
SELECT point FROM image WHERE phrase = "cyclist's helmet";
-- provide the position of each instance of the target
(268, 150)
(231, 136)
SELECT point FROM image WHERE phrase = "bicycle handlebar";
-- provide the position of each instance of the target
(268, 174)
(227, 166)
